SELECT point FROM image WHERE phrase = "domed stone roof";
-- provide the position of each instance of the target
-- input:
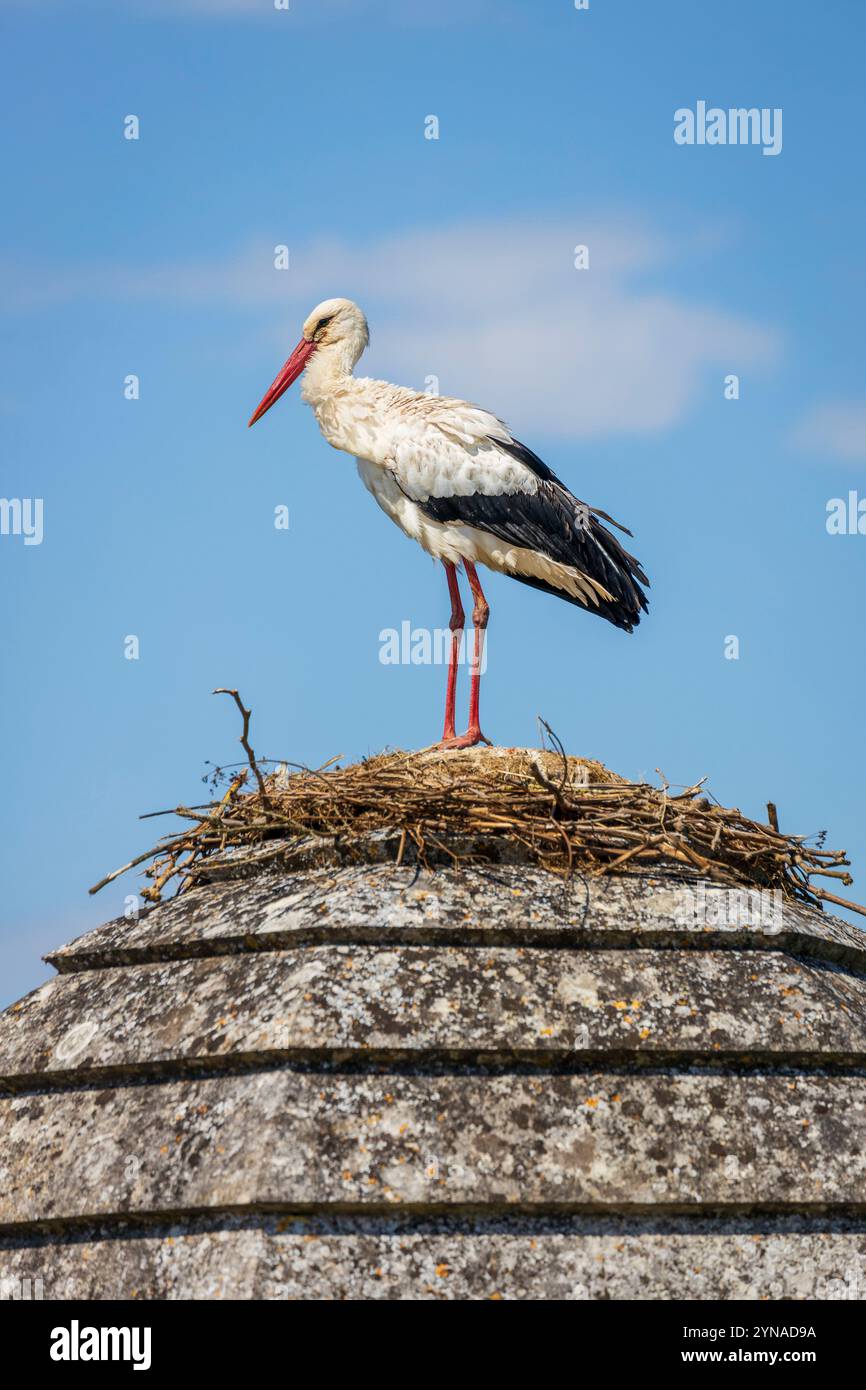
(368, 1081)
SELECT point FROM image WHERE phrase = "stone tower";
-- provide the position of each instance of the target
(366, 1081)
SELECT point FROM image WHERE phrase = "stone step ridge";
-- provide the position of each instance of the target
(506, 1256)
(288, 1142)
(425, 1006)
(502, 905)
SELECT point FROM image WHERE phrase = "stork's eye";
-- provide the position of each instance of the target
(323, 323)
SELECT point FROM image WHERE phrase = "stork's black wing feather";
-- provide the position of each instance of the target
(556, 524)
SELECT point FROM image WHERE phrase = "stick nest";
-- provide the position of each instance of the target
(567, 815)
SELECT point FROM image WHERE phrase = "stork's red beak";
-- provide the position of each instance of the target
(290, 372)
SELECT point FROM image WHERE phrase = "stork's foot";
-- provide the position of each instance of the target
(467, 740)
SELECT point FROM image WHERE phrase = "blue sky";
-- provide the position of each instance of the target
(306, 128)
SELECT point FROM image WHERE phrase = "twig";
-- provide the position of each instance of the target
(244, 739)
(109, 878)
(557, 743)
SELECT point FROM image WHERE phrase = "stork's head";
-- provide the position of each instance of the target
(336, 332)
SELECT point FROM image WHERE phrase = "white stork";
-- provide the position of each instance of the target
(455, 479)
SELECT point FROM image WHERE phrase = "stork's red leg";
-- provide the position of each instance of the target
(480, 614)
(456, 622)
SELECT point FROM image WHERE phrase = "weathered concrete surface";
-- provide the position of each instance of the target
(374, 1082)
(568, 1258)
(500, 905)
(286, 1139)
(413, 1002)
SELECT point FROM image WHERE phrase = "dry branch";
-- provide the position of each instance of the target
(245, 740)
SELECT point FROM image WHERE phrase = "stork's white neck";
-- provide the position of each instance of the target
(328, 370)
(331, 389)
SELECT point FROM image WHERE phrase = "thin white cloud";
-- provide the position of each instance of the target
(497, 312)
(836, 428)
